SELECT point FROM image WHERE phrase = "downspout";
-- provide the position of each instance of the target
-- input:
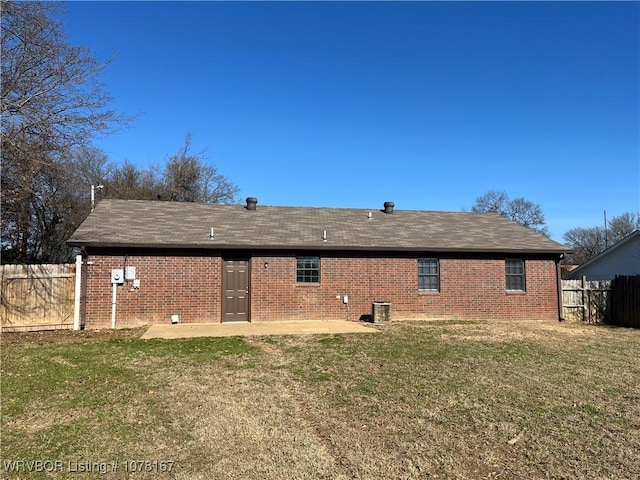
(83, 296)
(559, 285)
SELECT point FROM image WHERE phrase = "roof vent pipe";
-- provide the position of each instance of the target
(388, 207)
(252, 202)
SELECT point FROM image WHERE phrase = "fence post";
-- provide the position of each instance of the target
(76, 298)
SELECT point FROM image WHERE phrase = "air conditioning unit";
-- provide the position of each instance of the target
(381, 312)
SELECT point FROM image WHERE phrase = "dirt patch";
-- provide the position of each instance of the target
(41, 417)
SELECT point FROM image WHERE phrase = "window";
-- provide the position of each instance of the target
(429, 274)
(514, 269)
(308, 270)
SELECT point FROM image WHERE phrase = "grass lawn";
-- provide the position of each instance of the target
(421, 400)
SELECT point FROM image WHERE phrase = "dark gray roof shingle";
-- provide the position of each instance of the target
(177, 224)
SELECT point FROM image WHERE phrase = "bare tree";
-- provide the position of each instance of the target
(36, 226)
(49, 88)
(52, 106)
(90, 166)
(493, 201)
(621, 226)
(586, 243)
(127, 182)
(189, 178)
(186, 177)
(50, 102)
(519, 210)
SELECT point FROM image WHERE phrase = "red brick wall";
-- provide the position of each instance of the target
(171, 282)
(469, 288)
(189, 284)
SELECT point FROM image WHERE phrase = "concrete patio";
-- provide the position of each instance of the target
(242, 329)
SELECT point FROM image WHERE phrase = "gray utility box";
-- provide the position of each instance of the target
(381, 312)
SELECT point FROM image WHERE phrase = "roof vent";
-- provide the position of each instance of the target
(388, 207)
(252, 202)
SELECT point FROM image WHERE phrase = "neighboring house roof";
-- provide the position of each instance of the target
(621, 258)
(161, 224)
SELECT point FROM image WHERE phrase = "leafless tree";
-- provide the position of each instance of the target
(90, 166)
(519, 210)
(189, 178)
(493, 201)
(127, 182)
(49, 88)
(51, 102)
(52, 107)
(586, 243)
(185, 177)
(621, 226)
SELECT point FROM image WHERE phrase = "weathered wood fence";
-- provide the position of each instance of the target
(586, 300)
(37, 297)
(616, 302)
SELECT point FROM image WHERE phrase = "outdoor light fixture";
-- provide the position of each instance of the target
(266, 264)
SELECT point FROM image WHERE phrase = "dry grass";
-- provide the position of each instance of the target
(422, 400)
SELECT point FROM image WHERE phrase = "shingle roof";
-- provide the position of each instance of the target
(176, 224)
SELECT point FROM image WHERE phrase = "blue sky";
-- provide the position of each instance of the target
(350, 104)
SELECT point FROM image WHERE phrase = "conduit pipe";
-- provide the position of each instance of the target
(78, 292)
(559, 287)
(83, 281)
(113, 305)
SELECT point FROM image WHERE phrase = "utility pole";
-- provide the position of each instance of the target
(606, 231)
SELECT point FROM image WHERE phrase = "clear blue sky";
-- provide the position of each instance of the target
(350, 104)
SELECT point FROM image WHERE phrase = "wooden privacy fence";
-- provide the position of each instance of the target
(37, 297)
(586, 300)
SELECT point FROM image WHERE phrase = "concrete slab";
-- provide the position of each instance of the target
(242, 329)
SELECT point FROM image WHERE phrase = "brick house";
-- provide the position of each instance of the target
(193, 262)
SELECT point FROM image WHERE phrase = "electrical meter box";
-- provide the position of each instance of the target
(117, 276)
(130, 274)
